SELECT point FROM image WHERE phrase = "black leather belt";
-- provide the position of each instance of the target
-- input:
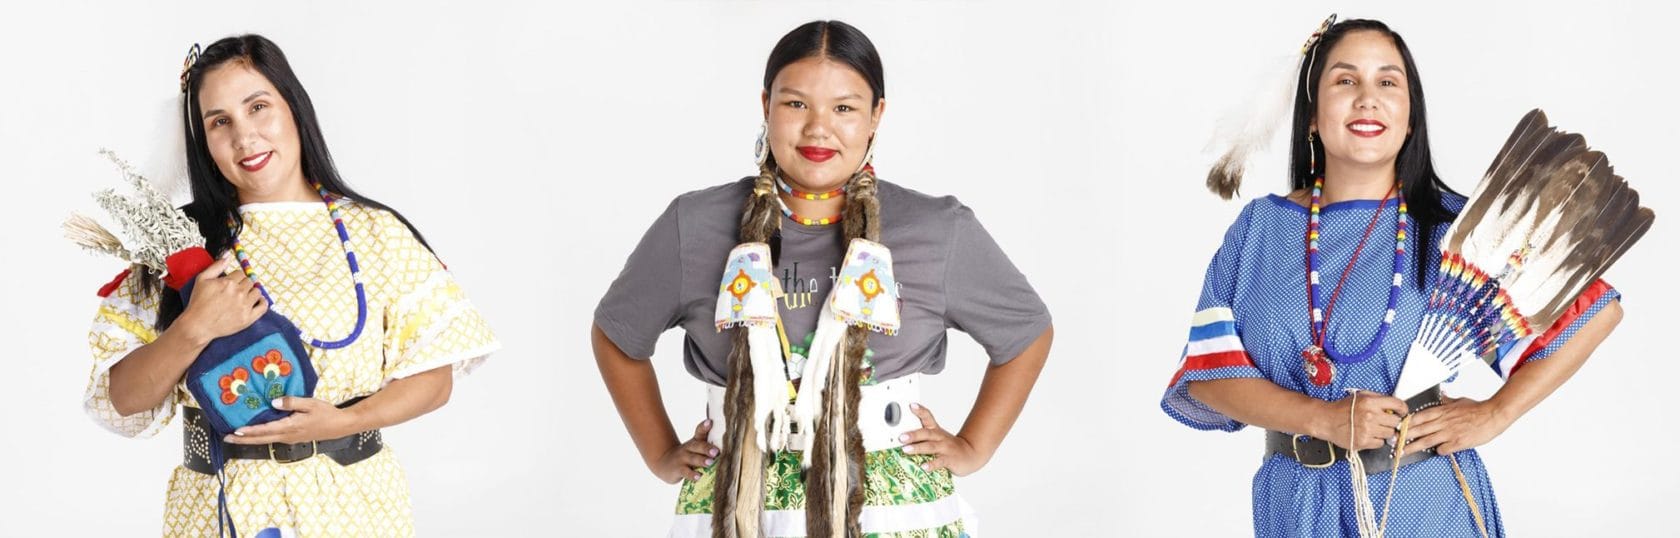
(1315, 453)
(197, 437)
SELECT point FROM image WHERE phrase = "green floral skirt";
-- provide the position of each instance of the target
(900, 500)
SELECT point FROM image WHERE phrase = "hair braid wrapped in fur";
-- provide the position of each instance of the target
(738, 493)
(834, 483)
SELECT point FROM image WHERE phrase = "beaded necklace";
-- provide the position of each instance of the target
(796, 193)
(349, 256)
(1317, 358)
(808, 221)
(825, 221)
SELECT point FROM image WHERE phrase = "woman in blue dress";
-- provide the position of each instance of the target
(1360, 159)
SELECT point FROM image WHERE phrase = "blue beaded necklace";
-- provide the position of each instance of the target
(349, 256)
(1320, 370)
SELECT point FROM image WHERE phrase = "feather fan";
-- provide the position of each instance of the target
(1549, 217)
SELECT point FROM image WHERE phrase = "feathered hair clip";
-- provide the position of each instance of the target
(1312, 41)
(1248, 129)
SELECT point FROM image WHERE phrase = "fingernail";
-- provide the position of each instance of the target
(712, 452)
(924, 466)
(228, 438)
(909, 448)
(914, 405)
(708, 462)
(277, 403)
(240, 433)
(905, 438)
(707, 422)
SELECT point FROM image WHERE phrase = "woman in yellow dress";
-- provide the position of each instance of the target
(264, 186)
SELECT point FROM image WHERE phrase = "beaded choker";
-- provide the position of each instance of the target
(796, 193)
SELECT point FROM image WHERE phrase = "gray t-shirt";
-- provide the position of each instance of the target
(951, 275)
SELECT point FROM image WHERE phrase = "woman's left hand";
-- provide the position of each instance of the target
(1457, 424)
(949, 451)
(311, 420)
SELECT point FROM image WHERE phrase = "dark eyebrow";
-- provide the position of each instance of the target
(248, 98)
(1351, 67)
(797, 93)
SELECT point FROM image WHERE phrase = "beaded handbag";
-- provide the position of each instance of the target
(236, 378)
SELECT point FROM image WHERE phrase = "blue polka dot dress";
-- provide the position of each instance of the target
(1252, 321)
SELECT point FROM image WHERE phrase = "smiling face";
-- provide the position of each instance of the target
(820, 122)
(1363, 104)
(251, 135)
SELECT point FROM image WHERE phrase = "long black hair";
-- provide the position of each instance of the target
(215, 201)
(1421, 187)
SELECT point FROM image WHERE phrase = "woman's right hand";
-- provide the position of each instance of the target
(686, 460)
(222, 304)
(1374, 419)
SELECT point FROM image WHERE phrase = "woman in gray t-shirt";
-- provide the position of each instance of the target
(835, 294)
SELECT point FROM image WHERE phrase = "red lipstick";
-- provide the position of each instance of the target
(816, 154)
(1367, 128)
(256, 162)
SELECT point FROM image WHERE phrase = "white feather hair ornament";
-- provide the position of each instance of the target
(1250, 128)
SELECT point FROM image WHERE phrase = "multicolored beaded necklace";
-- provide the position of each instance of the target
(825, 221)
(796, 193)
(349, 255)
(1317, 358)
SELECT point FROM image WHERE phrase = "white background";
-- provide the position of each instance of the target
(534, 144)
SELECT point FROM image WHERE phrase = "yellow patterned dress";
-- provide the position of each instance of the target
(418, 319)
